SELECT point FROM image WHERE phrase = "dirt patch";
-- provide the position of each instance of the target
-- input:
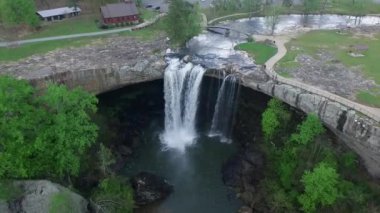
(326, 72)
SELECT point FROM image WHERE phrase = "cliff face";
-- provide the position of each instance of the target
(101, 80)
(120, 62)
(103, 65)
(360, 133)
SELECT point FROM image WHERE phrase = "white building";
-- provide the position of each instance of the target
(58, 13)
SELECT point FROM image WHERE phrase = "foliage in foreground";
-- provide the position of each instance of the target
(14, 12)
(44, 134)
(183, 21)
(274, 119)
(306, 173)
(114, 194)
(320, 187)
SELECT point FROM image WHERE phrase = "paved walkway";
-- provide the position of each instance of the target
(53, 38)
(280, 42)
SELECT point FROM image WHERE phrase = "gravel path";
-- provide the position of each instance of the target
(280, 42)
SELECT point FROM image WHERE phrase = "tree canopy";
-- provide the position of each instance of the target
(183, 21)
(14, 12)
(321, 187)
(43, 134)
(273, 119)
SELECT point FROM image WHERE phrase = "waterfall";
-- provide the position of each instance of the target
(181, 87)
(225, 107)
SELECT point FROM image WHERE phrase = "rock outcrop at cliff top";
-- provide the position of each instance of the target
(42, 196)
(101, 66)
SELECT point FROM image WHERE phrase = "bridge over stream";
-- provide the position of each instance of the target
(226, 31)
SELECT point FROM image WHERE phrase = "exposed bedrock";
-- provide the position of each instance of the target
(357, 131)
(145, 62)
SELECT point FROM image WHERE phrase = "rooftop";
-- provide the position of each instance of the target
(58, 11)
(119, 10)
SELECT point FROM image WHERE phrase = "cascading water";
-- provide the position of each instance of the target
(181, 87)
(225, 107)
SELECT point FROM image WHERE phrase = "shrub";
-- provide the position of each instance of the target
(114, 194)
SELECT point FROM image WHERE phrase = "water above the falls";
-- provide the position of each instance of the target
(181, 87)
(291, 23)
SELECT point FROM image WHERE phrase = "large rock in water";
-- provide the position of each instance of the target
(150, 188)
(42, 196)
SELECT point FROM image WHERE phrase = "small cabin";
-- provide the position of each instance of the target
(58, 13)
(124, 12)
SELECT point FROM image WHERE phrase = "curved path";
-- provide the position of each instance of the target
(280, 42)
(53, 38)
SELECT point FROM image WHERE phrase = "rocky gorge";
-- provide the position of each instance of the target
(118, 62)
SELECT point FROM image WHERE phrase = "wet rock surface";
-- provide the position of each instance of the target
(149, 188)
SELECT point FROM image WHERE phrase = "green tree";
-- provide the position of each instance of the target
(308, 130)
(73, 3)
(321, 187)
(272, 16)
(183, 21)
(113, 195)
(311, 6)
(19, 123)
(287, 3)
(43, 134)
(68, 131)
(15, 12)
(274, 119)
(252, 6)
(106, 159)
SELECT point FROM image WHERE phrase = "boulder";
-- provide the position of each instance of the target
(42, 196)
(150, 188)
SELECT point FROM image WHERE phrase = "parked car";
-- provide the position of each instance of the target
(148, 6)
(157, 8)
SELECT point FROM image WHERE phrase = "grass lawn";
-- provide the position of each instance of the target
(16, 53)
(261, 52)
(147, 14)
(149, 33)
(339, 45)
(368, 98)
(80, 24)
(23, 51)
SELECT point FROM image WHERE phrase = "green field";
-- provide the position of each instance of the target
(339, 45)
(16, 53)
(80, 24)
(261, 52)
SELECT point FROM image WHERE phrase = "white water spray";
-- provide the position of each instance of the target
(181, 87)
(225, 107)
